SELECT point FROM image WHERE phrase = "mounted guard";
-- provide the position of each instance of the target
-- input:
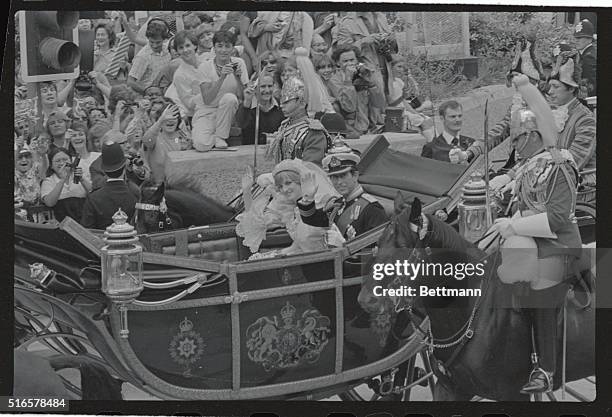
(541, 240)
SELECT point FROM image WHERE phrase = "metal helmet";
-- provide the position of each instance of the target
(293, 88)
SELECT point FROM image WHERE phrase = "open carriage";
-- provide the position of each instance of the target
(210, 325)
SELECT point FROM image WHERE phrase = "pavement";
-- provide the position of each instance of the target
(217, 173)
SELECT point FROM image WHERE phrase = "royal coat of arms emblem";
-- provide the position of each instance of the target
(288, 344)
(186, 347)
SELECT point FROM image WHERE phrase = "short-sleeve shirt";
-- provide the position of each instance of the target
(27, 184)
(68, 190)
(157, 156)
(147, 64)
(208, 68)
(187, 80)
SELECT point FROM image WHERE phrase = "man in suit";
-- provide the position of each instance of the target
(450, 138)
(114, 194)
(583, 40)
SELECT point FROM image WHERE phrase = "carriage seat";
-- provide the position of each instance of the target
(214, 243)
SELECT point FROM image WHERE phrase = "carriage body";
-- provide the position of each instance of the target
(286, 327)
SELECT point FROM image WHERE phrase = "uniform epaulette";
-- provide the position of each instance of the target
(369, 198)
(315, 124)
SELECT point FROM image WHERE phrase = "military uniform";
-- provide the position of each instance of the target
(355, 214)
(359, 213)
(299, 138)
(304, 139)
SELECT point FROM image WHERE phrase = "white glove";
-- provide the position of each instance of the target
(334, 237)
(498, 182)
(509, 186)
(265, 179)
(504, 227)
(457, 156)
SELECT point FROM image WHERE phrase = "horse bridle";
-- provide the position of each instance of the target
(162, 209)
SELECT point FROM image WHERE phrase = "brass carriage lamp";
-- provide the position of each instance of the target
(473, 218)
(121, 265)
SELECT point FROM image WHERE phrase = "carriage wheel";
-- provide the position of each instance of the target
(405, 377)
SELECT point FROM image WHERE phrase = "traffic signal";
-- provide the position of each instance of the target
(49, 45)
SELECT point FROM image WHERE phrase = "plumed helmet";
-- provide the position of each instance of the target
(293, 88)
(522, 121)
(525, 60)
(567, 68)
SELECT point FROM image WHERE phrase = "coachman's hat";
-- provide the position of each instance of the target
(113, 158)
(584, 29)
(566, 68)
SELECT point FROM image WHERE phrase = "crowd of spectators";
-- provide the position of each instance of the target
(191, 80)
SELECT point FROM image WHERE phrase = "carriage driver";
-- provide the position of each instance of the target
(359, 211)
(541, 239)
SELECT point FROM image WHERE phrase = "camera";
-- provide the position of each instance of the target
(84, 82)
(414, 101)
(135, 159)
(234, 65)
(73, 166)
(361, 80)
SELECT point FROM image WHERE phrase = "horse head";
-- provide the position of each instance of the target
(399, 242)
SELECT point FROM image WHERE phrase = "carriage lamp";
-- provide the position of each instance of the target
(121, 266)
(473, 222)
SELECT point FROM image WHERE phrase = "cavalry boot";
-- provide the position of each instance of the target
(547, 323)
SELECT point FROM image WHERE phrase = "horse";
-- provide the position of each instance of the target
(160, 209)
(480, 346)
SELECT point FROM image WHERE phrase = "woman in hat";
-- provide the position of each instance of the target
(28, 176)
(60, 190)
(291, 182)
(541, 239)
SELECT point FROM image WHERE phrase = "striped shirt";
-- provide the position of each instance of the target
(147, 64)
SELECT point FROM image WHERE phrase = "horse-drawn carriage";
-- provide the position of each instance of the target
(184, 314)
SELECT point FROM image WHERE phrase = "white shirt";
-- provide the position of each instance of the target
(68, 190)
(208, 68)
(448, 137)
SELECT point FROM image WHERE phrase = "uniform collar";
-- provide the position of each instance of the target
(353, 195)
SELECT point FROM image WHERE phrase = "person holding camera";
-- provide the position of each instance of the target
(64, 189)
(77, 137)
(222, 90)
(352, 85)
(101, 204)
(371, 34)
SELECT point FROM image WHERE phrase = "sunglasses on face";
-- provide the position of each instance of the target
(271, 62)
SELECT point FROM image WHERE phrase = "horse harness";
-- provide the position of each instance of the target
(163, 218)
(422, 229)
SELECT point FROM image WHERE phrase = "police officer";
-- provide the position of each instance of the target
(359, 211)
(583, 39)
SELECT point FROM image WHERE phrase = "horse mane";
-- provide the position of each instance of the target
(442, 235)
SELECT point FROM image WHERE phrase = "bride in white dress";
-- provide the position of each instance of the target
(292, 180)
